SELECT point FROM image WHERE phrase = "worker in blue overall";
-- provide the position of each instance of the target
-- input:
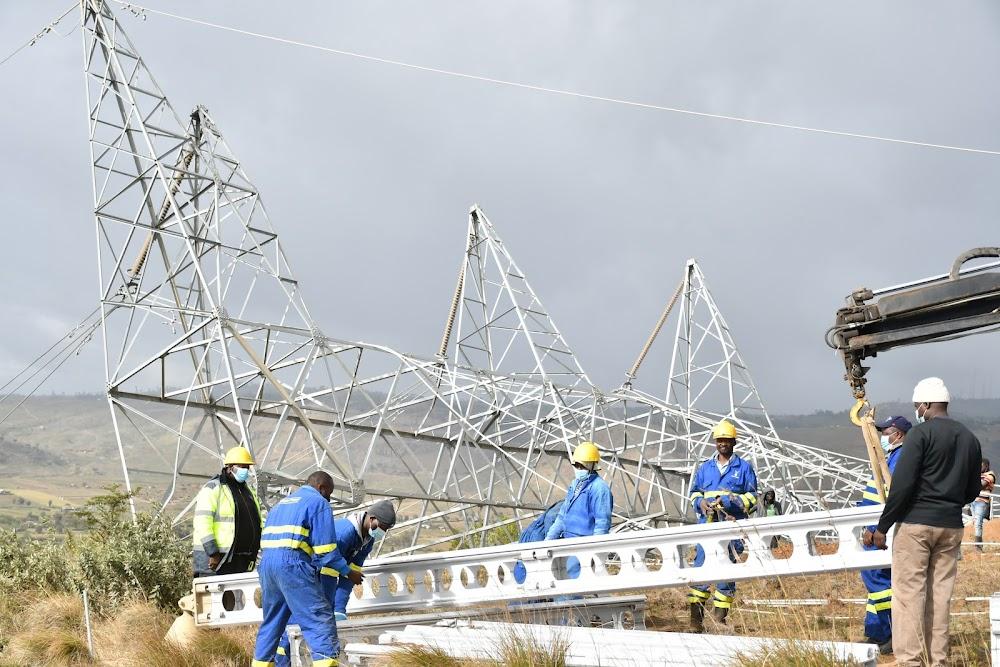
(298, 541)
(878, 611)
(724, 488)
(587, 508)
(356, 535)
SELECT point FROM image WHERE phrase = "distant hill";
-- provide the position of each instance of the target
(67, 441)
(834, 431)
(14, 453)
(974, 411)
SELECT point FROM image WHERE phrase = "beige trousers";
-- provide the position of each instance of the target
(924, 565)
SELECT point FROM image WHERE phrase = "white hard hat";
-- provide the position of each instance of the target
(931, 390)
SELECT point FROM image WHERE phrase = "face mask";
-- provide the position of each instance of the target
(377, 533)
(241, 474)
(580, 474)
(920, 417)
(885, 443)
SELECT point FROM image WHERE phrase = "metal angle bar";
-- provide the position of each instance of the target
(590, 647)
(279, 387)
(611, 607)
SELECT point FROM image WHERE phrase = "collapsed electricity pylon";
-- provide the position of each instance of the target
(708, 380)
(208, 343)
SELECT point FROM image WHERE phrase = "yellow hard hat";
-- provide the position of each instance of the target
(724, 429)
(240, 455)
(586, 452)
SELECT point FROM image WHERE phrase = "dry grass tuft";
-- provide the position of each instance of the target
(412, 655)
(514, 650)
(60, 611)
(51, 633)
(231, 647)
(792, 654)
(521, 650)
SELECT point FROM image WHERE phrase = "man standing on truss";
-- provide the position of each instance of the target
(724, 487)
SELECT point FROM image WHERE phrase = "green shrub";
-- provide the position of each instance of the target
(507, 533)
(41, 564)
(120, 560)
(117, 560)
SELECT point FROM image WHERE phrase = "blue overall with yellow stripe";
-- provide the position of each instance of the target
(299, 541)
(337, 589)
(735, 487)
(355, 549)
(878, 611)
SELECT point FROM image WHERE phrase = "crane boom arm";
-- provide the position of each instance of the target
(959, 303)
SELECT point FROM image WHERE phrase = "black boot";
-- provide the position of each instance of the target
(719, 615)
(697, 616)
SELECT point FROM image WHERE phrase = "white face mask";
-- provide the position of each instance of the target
(580, 474)
(920, 417)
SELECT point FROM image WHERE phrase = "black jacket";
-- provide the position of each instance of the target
(937, 474)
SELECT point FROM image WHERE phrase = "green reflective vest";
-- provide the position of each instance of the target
(215, 521)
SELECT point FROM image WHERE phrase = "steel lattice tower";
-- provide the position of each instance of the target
(208, 343)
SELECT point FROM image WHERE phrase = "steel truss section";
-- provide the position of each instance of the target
(595, 647)
(708, 380)
(208, 343)
(619, 612)
(821, 542)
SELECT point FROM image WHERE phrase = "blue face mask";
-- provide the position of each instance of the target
(241, 474)
(377, 533)
(885, 443)
(581, 474)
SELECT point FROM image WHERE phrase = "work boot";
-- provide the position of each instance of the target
(719, 616)
(885, 648)
(979, 542)
(697, 617)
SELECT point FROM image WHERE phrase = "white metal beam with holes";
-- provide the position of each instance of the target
(618, 612)
(610, 563)
(995, 629)
(585, 647)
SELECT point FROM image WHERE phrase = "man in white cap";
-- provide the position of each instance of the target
(936, 475)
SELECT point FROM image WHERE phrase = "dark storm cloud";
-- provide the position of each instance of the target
(368, 170)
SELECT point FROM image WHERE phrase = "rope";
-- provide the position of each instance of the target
(139, 9)
(51, 27)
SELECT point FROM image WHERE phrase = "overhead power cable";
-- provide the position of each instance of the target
(139, 9)
(51, 27)
(50, 361)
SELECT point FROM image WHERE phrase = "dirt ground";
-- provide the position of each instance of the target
(840, 621)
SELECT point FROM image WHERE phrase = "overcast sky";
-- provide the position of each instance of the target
(368, 170)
